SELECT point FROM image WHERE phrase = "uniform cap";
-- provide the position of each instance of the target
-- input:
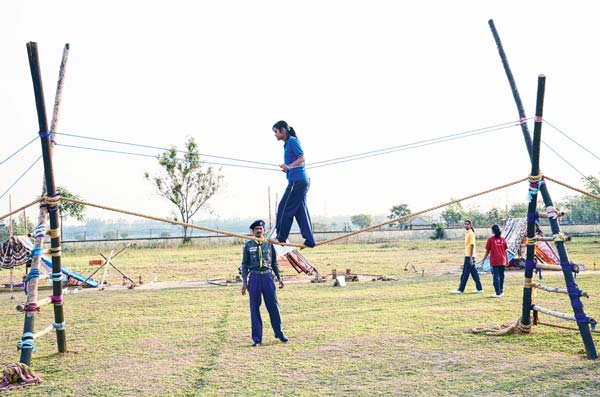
(258, 222)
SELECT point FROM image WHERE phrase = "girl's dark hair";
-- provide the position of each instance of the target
(470, 223)
(496, 231)
(282, 125)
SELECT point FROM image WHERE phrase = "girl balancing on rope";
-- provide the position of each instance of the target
(293, 202)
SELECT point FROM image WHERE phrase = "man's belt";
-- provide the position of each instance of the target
(260, 271)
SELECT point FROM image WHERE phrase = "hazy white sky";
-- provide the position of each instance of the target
(349, 76)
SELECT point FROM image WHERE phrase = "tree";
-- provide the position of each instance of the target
(22, 226)
(67, 209)
(439, 233)
(454, 214)
(3, 231)
(184, 182)
(398, 211)
(518, 210)
(494, 216)
(362, 221)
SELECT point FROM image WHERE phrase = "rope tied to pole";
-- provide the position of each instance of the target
(56, 276)
(535, 178)
(53, 233)
(44, 134)
(52, 201)
(52, 251)
(56, 299)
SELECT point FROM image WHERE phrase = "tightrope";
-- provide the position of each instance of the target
(173, 222)
(573, 188)
(405, 217)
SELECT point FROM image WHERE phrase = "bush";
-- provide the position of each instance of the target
(439, 233)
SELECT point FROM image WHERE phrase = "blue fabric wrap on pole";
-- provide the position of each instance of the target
(27, 341)
(581, 318)
(60, 326)
(44, 134)
(573, 290)
(530, 264)
(56, 276)
(36, 252)
(33, 273)
(40, 231)
(533, 216)
(534, 189)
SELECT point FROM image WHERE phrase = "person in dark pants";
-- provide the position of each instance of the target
(469, 262)
(293, 202)
(496, 248)
(259, 262)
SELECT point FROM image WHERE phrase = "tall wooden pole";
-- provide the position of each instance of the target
(269, 196)
(574, 292)
(513, 88)
(531, 209)
(10, 222)
(50, 187)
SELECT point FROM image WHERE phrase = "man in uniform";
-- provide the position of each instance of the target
(258, 265)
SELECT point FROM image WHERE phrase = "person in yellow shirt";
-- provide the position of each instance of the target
(469, 263)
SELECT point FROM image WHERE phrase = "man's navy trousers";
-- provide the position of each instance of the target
(263, 284)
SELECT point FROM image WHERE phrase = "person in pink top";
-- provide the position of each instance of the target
(496, 248)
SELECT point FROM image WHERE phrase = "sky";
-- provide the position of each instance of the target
(349, 76)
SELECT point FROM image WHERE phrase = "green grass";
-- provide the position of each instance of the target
(405, 337)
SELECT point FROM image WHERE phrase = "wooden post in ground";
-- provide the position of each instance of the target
(50, 189)
(576, 304)
(531, 209)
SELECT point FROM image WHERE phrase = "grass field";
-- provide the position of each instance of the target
(397, 338)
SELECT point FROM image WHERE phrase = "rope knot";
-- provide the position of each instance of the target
(535, 178)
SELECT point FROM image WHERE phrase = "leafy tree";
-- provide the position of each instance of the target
(518, 210)
(67, 209)
(398, 211)
(3, 231)
(592, 184)
(494, 216)
(362, 221)
(453, 214)
(185, 182)
(477, 217)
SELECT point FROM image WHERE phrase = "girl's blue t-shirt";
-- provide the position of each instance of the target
(291, 151)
